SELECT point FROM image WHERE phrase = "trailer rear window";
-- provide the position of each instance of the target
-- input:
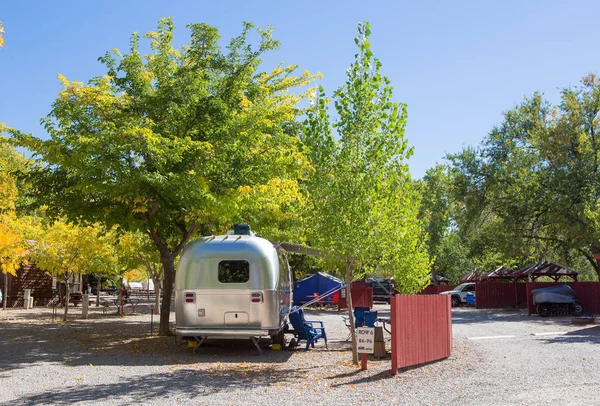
(234, 271)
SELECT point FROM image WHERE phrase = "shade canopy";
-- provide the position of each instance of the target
(501, 273)
(545, 268)
(470, 277)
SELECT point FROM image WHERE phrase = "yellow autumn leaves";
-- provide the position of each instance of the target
(13, 246)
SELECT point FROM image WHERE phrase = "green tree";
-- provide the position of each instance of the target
(168, 143)
(535, 177)
(435, 213)
(363, 207)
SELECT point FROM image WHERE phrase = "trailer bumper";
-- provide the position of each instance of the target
(220, 333)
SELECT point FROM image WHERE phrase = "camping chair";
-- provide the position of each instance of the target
(306, 329)
(359, 319)
(370, 318)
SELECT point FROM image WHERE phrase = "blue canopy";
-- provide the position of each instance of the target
(318, 283)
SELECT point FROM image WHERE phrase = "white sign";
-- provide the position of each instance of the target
(365, 338)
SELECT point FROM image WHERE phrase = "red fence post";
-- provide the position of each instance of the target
(363, 361)
(393, 324)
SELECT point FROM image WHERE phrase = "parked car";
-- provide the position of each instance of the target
(382, 287)
(459, 294)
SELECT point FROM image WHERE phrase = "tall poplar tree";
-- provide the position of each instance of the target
(363, 207)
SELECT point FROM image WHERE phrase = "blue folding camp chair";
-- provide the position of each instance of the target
(370, 318)
(359, 319)
(306, 329)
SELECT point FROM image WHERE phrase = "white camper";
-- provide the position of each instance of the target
(232, 286)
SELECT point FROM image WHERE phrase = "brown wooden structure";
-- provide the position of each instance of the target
(28, 277)
(494, 294)
(470, 277)
(545, 268)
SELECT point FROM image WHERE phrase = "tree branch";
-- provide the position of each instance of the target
(185, 239)
(590, 258)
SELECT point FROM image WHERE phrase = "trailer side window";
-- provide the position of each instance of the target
(284, 270)
(234, 271)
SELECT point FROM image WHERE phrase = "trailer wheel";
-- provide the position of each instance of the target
(576, 308)
(544, 309)
(455, 301)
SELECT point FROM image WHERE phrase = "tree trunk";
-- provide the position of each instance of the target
(5, 295)
(167, 259)
(434, 279)
(98, 287)
(594, 258)
(157, 295)
(67, 296)
(351, 311)
(168, 264)
(121, 311)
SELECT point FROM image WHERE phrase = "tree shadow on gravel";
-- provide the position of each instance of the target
(584, 335)
(192, 384)
(45, 314)
(387, 374)
(114, 342)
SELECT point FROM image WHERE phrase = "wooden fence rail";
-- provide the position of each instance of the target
(499, 295)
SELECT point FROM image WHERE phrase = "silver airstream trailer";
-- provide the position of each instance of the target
(232, 286)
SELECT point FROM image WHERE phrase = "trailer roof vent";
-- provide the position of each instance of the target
(242, 229)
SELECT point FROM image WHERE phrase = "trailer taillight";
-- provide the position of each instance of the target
(257, 297)
(190, 297)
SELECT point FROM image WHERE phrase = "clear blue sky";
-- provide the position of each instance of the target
(457, 64)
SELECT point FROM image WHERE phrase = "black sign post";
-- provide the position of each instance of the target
(151, 317)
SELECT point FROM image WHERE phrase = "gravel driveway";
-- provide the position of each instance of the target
(112, 360)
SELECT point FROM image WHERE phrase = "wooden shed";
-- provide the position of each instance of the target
(28, 277)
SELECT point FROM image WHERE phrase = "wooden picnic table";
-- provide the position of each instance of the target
(125, 301)
(384, 321)
(75, 298)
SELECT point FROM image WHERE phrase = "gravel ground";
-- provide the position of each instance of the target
(115, 360)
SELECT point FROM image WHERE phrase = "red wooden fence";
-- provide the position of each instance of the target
(421, 329)
(497, 295)
(434, 290)
(588, 293)
(362, 295)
